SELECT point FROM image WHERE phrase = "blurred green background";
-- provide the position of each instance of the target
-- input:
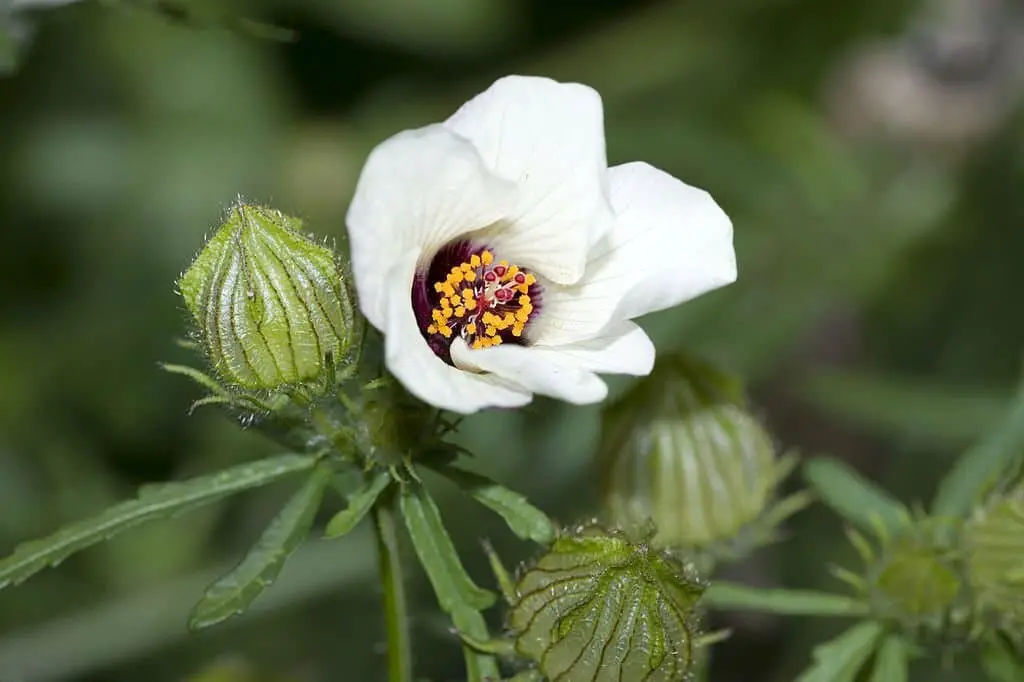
(870, 153)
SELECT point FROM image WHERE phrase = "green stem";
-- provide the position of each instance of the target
(396, 614)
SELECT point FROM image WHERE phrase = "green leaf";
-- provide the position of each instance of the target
(456, 592)
(982, 465)
(1000, 662)
(359, 504)
(453, 586)
(153, 502)
(892, 662)
(841, 659)
(730, 596)
(525, 520)
(853, 497)
(234, 592)
(480, 666)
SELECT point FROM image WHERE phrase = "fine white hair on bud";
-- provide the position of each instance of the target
(271, 306)
(601, 605)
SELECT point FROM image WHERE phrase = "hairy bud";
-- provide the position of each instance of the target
(271, 307)
(994, 547)
(681, 450)
(598, 605)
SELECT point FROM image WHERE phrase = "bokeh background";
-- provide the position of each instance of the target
(870, 152)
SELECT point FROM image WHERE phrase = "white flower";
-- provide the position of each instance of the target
(501, 257)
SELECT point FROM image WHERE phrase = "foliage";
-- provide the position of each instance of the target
(875, 320)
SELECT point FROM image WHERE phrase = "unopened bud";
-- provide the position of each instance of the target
(994, 545)
(598, 605)
(680, 450)
(271, 307)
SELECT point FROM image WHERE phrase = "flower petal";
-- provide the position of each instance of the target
(549, 374)
(423, 373)
(549, 138)
(623, 349)
(418, 190)
(671, 243)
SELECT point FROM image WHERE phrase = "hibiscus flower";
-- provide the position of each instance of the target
(501, 257)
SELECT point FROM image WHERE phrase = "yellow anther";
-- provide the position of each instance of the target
(522, 316)
(470, 276)
(465, 267)
(490, 331)
(432, 329)
(469, 301)
(455, 300)
(445, 331)
(511, 272)
(460, 311)
(438, 286)
(447, 289)
(474, 260)
(517, 330)
(445, 303)
(523, 300)
(471, 328)
(487, 257)
(467, 293)
(509, 319)
(530, 279)
(456, 277)
(522, 288)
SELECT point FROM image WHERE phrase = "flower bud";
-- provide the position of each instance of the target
(994, 547)
(600, 606)
(681, 451)
(271, 307)
(912, 577)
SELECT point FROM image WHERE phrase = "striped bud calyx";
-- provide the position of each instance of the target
(598, 607)
(682, 451)
(271, 307)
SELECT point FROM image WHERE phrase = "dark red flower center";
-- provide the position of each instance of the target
(468, 293)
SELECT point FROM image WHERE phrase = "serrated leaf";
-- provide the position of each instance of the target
(234, 592)
(525, 520)
(982, 465)
(722, 595)
(153, 502)
(892, 662)
(853, 497)
(453, 586)
(841, 659)
(359, 504)
(999, 661)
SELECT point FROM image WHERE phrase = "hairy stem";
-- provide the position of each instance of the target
(396, 614)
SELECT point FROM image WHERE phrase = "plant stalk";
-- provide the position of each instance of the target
(396, 615)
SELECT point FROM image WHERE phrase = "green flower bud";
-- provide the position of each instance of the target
(271, 307)
(912, 577)
(994, 546)
(598, 606)
(681, 451)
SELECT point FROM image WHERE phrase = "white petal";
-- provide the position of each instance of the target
(549, 138)
(671, 243)
(623, 349)
(423, 373)
(548, 374)
(418, 190)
